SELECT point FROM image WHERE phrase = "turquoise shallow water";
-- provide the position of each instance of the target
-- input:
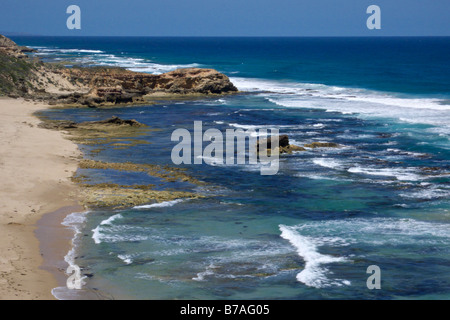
(311, 231)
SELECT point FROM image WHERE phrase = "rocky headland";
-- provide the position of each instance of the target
(30, 78)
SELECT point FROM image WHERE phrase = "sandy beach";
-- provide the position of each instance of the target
(35, 169)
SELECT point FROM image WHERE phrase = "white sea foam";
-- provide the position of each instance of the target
(155, 68)
(308, 237)
(213, 161)
(314, 274)
(201, 275)
(306, 90)
(100, 58)
(127, 258)
(402, 174)
(74, 221)
(97, 232)
(160, 204)
(136, 64)
(47, 51)
(263, 130)
(79, 51)
(96, 235)
(408, 153)
(432, 192)
(257, 127)
(351, 101)
(111, 219)
(320, 177)
(401, 231)
(328, 163)
(115, 234)
(356, 136)
(434, 104)
(377, 231)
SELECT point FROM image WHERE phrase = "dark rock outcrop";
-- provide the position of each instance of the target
(283, 146)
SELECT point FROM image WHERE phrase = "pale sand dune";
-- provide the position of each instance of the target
(35, 169)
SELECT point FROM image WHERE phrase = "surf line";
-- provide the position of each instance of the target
(213, 154)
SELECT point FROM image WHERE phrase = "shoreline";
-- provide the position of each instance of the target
(55, 241)
(57, 246)
(36, 166)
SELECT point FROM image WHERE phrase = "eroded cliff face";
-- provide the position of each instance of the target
(21, 76)
(7, 46)
(119, 86)
(182, 81)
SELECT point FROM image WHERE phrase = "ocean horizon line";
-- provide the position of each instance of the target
(12, 34)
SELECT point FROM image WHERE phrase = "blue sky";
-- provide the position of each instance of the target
(226, 17)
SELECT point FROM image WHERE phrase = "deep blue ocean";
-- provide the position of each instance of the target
(310, 231)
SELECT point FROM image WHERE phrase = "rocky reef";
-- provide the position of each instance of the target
(121, 196)
(116, 132)
(113, 132)
(113, 196)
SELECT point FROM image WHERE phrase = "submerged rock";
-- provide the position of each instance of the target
(66, 124)
(121, 197)
(322, 145)
(169, 174)
(291, 148)
(116, 121)
(58, 124)
(114, 132)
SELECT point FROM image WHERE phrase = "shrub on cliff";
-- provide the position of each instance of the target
(15, 75)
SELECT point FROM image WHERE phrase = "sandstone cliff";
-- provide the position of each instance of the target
(7, 46)
(119, 86)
